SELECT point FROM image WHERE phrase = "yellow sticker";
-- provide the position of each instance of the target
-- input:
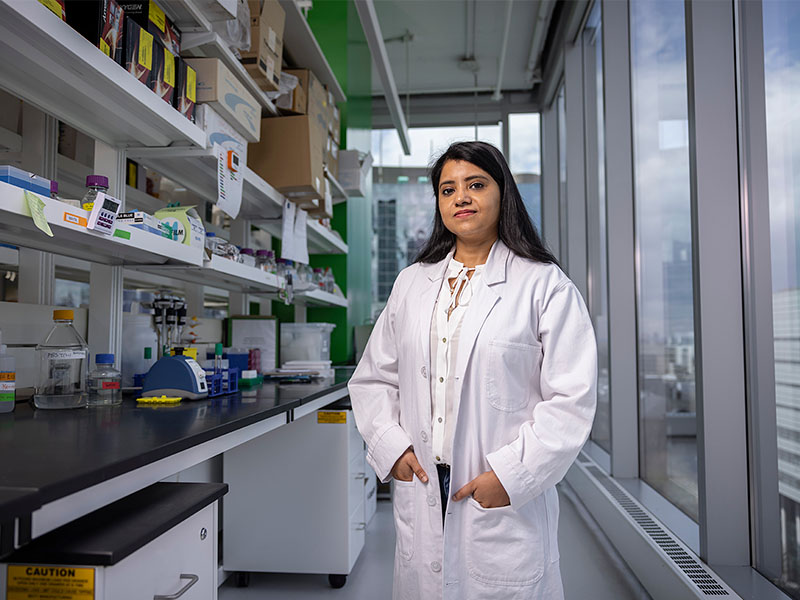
(191, 84)
(331, 417)
(37, 582)
(54, 6)
(145, 49)
(132, 172)
(7, 376)
(169, 68)
(105, 47)
(157, 16)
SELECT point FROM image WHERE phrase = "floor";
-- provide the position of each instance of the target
(587, 570)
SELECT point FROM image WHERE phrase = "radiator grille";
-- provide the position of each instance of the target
(705, 581)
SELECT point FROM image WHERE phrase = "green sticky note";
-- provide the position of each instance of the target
(125, 235)
(36, 207)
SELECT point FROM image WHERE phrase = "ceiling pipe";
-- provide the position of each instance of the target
(498, 91)
(372, 31)
(543, 15)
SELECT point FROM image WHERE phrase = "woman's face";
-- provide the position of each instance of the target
(469, 202)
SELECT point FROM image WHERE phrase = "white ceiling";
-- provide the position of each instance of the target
(441, 40)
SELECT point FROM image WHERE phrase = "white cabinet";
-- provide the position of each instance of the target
(370, 494)
(160, 542)
(297, 499)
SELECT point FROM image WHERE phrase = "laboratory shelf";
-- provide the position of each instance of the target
(10, 141)
(209, 44)
(322, 240)
(50, 65)
(301, 49)
(320, 298)
(338, 192)
(193, 168)
(70, 238)
(221, 273)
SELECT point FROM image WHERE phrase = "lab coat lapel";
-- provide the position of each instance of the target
(487, 295)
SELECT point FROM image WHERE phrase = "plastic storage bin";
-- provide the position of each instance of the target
(306, 341)
(26, 181)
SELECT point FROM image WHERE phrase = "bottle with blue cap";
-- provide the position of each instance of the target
(104, 382)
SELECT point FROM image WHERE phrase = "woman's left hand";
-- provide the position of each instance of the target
(487, 491)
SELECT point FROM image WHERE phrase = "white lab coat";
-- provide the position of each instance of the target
(526, 382)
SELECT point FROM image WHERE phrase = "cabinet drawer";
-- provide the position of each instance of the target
(355, 441)
(356, 475)
(358, 527)
(370, 494)
(156, 568)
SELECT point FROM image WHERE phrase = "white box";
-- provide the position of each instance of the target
(306, 341)
(219, 131)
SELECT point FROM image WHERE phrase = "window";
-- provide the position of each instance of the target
(525, 160)
(782, 87)
(403, 198)
(665, 300)
(596, 219)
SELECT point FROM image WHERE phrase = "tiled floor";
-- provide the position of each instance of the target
(586, 568)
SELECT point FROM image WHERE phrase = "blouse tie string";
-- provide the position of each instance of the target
(457, 294)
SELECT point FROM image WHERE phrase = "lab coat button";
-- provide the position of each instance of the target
(431, 500)
(436, 567)
(424, 372)
(424, 436)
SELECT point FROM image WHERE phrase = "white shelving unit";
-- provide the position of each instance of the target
(209, 44)
(50, 65)
(338, 192)
(136, 247)
(322, 240)
(301, 49)
(320, 298)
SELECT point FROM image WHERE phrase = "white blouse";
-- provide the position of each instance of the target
(445, 334)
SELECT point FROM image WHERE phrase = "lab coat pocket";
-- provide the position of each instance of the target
(403, 503)
(504, 547)
(510, 367)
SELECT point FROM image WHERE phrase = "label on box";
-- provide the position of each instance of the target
(54, 6)
(169, 68)
(111, 385)
(191, 84)
(331, 417)
(157, 16)
(29, 582)
(272, 40)
(75, 219)
(145, 49)
(270, 68)
(105, 47)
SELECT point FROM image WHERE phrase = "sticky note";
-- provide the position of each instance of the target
(36, 207)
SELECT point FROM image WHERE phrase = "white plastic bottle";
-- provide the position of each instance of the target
(8, 379)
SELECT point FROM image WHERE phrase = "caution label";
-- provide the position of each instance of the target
(42, 582)
(331, 417)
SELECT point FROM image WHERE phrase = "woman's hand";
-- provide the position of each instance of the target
(407, 466)
(487, 491)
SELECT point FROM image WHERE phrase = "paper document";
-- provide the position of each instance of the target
(287, 229)
(301, 236)
(229, 184)
(36, 207)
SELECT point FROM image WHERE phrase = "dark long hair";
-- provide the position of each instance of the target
(515, 229)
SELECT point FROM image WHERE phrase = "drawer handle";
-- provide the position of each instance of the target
(360, 475)
(192, 580)
(361, 527)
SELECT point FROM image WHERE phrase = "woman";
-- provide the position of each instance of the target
(478, 379)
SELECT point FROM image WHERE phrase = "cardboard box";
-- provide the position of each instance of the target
(101, 22)
(317, 106)
(219, 131)
(337, 124)
(145, 222)
(185, 97)
(296, 103)
(187, 223)
(139, 46)
(325, 208)
(216, 85)
(57, 6)
(163, 76)
(353, 172)
(266, 43)
(149, 15)
(289, 156)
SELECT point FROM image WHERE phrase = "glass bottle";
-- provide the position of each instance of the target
(62, 364)
(212, 242)
(319, 279)
(247, 256)
(104, 382)
(96, 184)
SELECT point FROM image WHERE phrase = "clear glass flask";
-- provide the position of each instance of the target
(105, 382)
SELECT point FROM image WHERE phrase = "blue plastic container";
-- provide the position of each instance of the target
(26, 181)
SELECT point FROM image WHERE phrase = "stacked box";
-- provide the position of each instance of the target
(139, 47)
(218, 86)
(163, 75)
(101, 22)
(263, 60)
(296, 103)
(185, 96)
(149, 15)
